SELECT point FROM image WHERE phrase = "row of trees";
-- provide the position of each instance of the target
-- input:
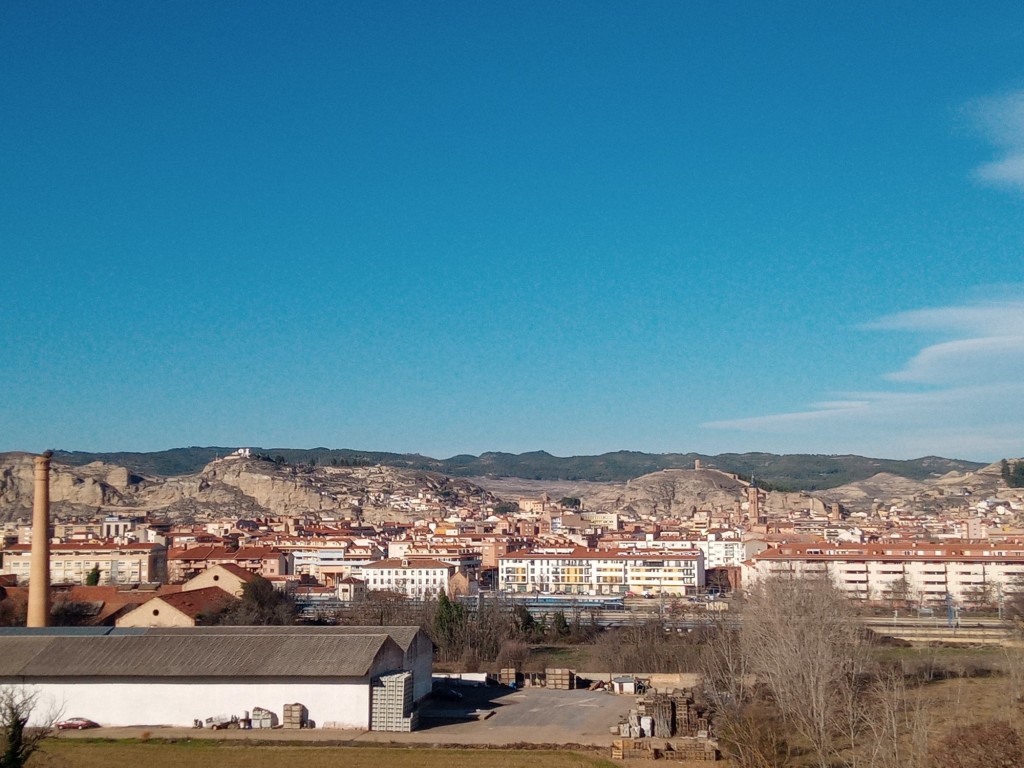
(498, 632)
(798, 675)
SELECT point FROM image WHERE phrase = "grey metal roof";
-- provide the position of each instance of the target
(52, 631)
(403, 636)
(19, 651)
(194, 654)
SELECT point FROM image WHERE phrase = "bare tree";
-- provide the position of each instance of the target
(645, 646)
(724, 667)
(899, 593)
(802, 642)
(18, 739)
(980, 597)
(1013, 668)
(898, 724)
(754, 735)
(746, 721)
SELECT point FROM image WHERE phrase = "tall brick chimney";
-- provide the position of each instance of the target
(39, 576)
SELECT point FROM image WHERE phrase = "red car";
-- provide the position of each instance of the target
(76, 724)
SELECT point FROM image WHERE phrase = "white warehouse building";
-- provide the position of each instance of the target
(175, 676)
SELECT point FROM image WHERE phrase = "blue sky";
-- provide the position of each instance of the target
(456, 227)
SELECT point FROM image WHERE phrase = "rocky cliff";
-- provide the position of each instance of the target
(72, 489)
(681, 492)
(231, 487)
(247, 487)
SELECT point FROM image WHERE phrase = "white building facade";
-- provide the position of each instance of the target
(588, 571)
(719, 552)
(414, 578)
(71, 563)
(919, 573)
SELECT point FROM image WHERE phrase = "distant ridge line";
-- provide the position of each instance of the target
(806, 472)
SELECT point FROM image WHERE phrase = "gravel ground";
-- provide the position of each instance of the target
(529, 716)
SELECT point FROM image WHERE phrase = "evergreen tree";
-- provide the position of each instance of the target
(559, 625)
(449, 627)
(18, 741)
(523, 620)
(261, 604)
(1017, 475)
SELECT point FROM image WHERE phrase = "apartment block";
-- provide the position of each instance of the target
(591, 571)
(418, 579)
(920, 573)
(70, 563)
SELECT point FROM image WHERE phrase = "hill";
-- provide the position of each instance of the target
(238, 487)
(808, 472)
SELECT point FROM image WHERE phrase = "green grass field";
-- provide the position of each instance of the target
(76, 753)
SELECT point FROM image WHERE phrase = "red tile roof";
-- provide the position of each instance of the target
(198, 601)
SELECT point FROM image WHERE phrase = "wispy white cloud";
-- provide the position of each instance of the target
(966, 401)
(966, 361)
(1001, 120)
(995, 317)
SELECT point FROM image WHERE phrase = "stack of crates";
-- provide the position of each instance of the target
(691, 750)
(662, 711)
(391, 707)
(263, 718)
(507, 676)
(632, 749)
(687, 718)
(295, 716)
(560, 679)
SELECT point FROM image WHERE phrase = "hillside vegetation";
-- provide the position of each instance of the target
(782, 472)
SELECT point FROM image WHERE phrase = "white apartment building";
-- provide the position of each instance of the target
(417, 579)
(329, 562)
(590, 571)
(461, 557)
(719, 552)
(70, 563)
(920, 573)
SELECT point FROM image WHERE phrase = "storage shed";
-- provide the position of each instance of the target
(172, 676)
(417, 648)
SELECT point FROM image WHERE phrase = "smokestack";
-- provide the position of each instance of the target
(39, 577)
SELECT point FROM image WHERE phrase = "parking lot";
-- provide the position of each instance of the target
(533, 715)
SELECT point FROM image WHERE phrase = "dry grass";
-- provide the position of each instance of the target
(211, 754)
(577, 657)
(971, 700)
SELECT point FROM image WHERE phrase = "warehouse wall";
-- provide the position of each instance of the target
(177, 701)
(420, 661)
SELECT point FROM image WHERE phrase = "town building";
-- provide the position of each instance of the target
(914, 572)
(228, 576)
(720, 550)
(419, 579)
(181, 609)
(588, 571)
(71, 562)
(186, 562)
